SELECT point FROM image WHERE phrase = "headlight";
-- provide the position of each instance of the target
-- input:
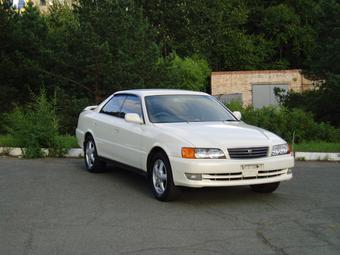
(202, 153)
(280, 149)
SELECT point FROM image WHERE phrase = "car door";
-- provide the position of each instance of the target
(106, 127)
(129, 138)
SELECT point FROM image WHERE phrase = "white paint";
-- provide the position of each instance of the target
(131, 143)
(75, 153)
(322, 156)
(12, 151)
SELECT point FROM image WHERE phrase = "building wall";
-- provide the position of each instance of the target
(241, 81)
(43, 5)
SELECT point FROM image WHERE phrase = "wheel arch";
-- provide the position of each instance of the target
(152, 152)
(87, 135)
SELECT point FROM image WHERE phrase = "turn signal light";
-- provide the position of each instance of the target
(188, 152)
(202, 153)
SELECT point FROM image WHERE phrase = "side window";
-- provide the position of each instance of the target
(132, 105)
(114, 105)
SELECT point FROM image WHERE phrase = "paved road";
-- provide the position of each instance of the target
(53, 206)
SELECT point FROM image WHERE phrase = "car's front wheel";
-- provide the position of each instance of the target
(265, 188)
(92, 162)
(160, 178)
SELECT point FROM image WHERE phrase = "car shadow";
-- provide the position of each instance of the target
(137, 182)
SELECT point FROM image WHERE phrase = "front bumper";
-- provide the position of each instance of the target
(80, 137)
(232, 172)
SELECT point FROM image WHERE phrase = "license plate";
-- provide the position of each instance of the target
(251, 169)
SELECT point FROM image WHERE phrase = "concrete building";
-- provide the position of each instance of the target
(42, 4)
(256, 87)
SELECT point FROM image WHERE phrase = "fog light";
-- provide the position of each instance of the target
(194, 177)
(289, 171)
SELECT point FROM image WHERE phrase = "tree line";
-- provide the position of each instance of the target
(84, 52)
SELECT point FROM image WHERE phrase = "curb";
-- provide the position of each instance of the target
(75, 153)
(317, 156)
(78, 152)
(18, 152)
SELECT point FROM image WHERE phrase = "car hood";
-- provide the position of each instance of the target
(221, 134)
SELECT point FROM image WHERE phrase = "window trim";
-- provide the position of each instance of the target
(140, 102)
(101, 109)
(125, 95)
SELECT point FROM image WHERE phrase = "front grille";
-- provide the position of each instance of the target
(252, 152)
(237, 176)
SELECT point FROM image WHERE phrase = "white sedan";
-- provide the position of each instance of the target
(182, 138)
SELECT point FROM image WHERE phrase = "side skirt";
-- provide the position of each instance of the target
(124, 166)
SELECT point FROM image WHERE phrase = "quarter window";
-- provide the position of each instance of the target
(132, 105)
(113, 107)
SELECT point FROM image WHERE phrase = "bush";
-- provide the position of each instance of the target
(189, 73)
(35, 127)
(323, 101)
(68, 109)
(285, 122)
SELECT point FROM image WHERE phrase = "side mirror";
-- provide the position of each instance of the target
(133, 118)
(91, 107)
(238, 115)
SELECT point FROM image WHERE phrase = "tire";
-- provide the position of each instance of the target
(92, 162)
(265, 188)
(160, 178)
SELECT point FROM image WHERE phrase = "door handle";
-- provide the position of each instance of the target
(115, 130)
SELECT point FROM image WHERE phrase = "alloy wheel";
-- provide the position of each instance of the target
(159, 176)
(89, 154)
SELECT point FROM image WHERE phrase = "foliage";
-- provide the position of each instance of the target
(21, 51)
(323, 102)
(291, 39)
(183, 73)
(87, 51)
(116, 46)
(213, 29)
(36, 126)
(317, 147)
(288, 123)
(8, 141)
(326, 56)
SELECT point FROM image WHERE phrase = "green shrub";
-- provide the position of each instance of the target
(36, 126)
(8, 141)
(288, 123)
(68, 109)
(189, 73)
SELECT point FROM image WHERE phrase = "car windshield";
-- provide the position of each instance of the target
(185, 108)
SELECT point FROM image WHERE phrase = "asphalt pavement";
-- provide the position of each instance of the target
(53, 206)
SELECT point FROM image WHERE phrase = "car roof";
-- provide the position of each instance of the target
(154, 92)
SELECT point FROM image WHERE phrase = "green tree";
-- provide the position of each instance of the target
(23, 36)
(291, 38)
(322, 63)
(183, 73)
(215, 30)
(115, 34)
(9, 88)
(326, 57)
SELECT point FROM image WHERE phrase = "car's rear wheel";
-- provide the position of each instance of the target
(92, 162)
(160, 178)
(265, 188)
